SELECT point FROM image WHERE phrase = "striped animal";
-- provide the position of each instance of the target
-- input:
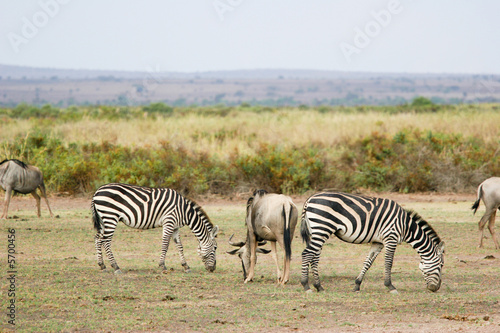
(360, 219)
(489, 191)
(16, 176)
(145, 208)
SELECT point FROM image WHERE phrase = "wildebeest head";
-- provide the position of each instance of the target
(243, 251)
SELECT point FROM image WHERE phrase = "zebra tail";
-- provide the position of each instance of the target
(96, 218)
(287, 239)
(305, 228)
(475, 206)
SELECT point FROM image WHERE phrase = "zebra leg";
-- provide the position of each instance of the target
(310, 258)
(98, 248)
(315, 271)
(374, 251)
(306, 262)
(167, 233)
(180, 248)
(390, 248)
(107, 247)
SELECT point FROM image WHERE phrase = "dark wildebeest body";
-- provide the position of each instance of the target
(21, 178)
(489, 191)
(270, 217)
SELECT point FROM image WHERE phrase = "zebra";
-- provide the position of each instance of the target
(361, 219)
(145, 208)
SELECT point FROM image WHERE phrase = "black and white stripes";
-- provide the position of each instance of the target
(360, 219)
(146, 208)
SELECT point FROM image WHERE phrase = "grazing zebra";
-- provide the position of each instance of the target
(145, 208)
(360, 219)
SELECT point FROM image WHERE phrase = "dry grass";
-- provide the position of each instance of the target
(244, 130)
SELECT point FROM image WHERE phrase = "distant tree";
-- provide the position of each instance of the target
(421, 101)
(159, 107)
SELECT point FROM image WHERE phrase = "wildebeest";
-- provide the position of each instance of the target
(21, 178)
(269, 217)
(489, 191)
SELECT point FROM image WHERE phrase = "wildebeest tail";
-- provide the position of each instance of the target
(475, 206)
(287, 238)
(96, 218)
(305, 228)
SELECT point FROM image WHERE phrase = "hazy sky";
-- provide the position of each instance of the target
(427, 36)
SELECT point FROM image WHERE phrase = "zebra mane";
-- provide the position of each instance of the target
(20, 163)
(200, 211)
(424, 225)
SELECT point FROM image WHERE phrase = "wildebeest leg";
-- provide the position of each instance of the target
(8, 194)
(491, 227)
(374, 251)
(286, 266)
(44, 195)
(180, 248)
(253, 256)
(274, 253)
(482, 223)
(37, 198)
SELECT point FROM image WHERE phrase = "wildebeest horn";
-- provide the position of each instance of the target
(262, 242)
(240, 244)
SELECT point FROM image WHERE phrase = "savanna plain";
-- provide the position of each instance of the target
(60, 288)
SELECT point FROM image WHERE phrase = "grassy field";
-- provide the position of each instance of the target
(229, 150)
(59, 287)
(221, 133)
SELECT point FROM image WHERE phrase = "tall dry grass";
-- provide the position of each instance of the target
(244, 130)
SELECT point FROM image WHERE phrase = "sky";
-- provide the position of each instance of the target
(419, 36)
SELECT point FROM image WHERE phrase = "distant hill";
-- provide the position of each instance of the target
(65, 87)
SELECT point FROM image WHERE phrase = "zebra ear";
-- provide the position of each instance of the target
(215, 230)
(441, 247)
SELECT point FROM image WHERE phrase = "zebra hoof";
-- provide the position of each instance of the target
(118, 272)
(394, 292)
(166, 271)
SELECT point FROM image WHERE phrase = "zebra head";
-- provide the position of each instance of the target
(431, 268)
(207, 251)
